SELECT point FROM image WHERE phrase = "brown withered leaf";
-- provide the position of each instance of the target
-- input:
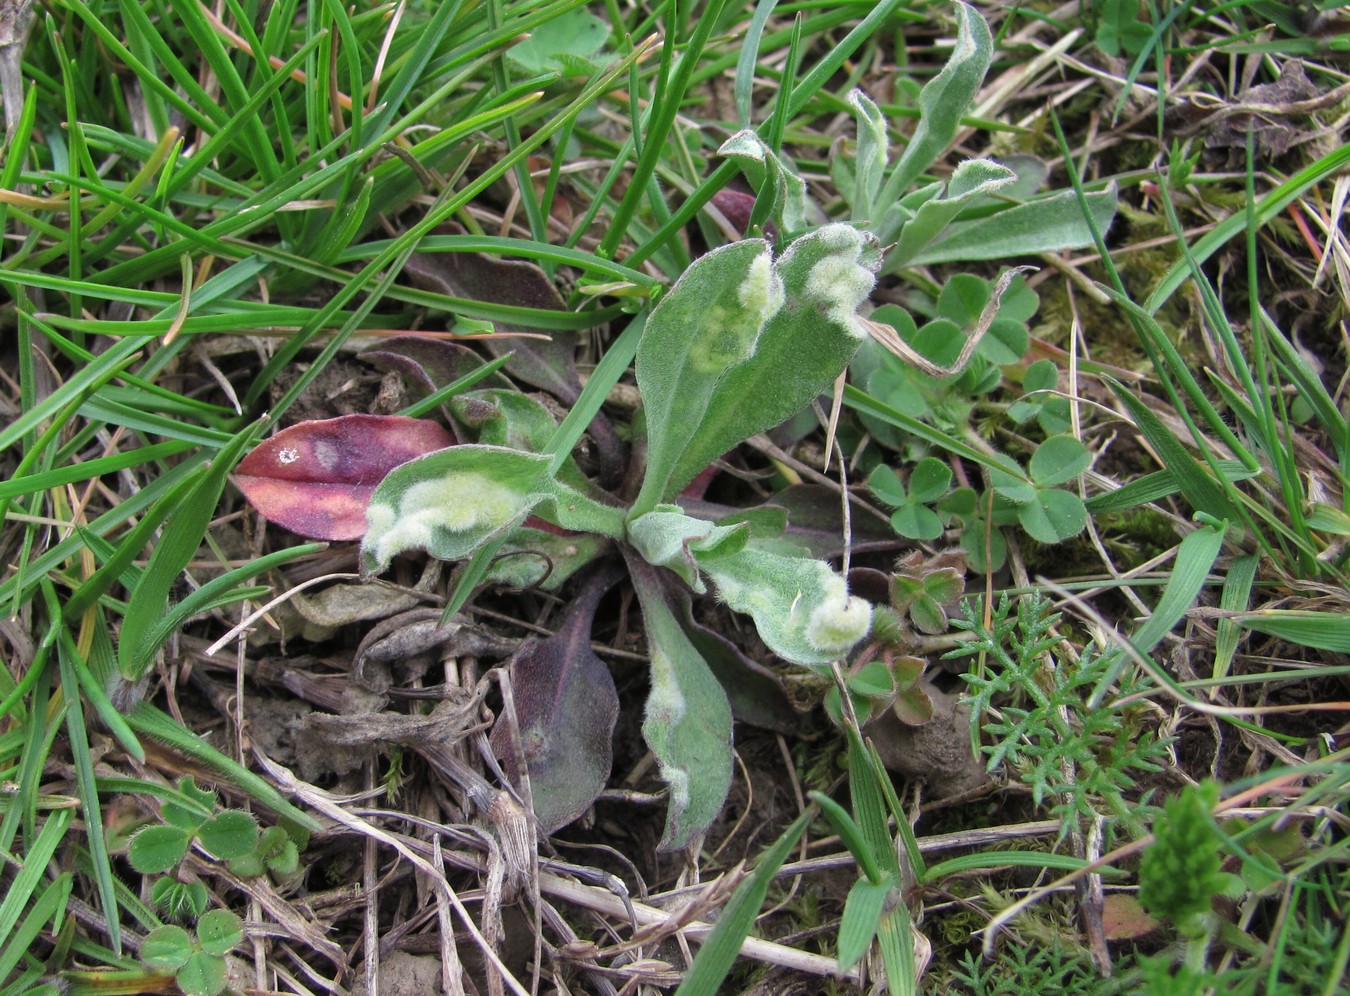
(1124, 919)
(549, 363)
(1275, 112)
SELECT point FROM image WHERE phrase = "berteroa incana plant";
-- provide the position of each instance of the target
(740, 343)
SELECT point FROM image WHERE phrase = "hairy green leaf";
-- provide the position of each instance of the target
(742, 342)
(688, 719)
(802, 608)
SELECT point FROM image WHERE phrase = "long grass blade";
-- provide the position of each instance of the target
(718, 954)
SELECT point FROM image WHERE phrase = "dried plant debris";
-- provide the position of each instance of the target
(1279, 115)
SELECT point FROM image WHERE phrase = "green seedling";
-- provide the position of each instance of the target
(1120, 29)
(1050, 411)
(925, 588)
(275, 852)
(953, 361)
(742, 342)
(198, 962)
(179, 901)
(230, 835)
(888, 672)
(914, 518)
(985, 210)
(1046, 512)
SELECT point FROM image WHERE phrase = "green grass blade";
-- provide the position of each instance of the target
(863, 910)
(134, 542)
(439, 397)
(37, 743)
(1308, 628)
(1173, 371)
(223, 591)
(46, 910)
(718, 954)
(1158, 485)
(967, 863)
(1190, 573)
(852, 837)
(1202, 490)
(1237, 590)
(149, 721)
(97, 694)
(81, 383)
(870, 808)
(813, 84)
(182, 536)
(674, 78)
(744, 87)
(897, 952)
(1294, 367)
(30, 874)
(1194, 559)
(1272, 204)
(87, 789)
(861, 401)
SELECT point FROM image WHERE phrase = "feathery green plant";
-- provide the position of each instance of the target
(1080, 758)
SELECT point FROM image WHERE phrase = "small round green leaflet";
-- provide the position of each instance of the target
(250, 865)
(166, 948)
(279, 851)
(1053, 515)
(202, 975)
(928, 482)
(158, 848)
(219, 932)
(229, 835)
(1058, 460)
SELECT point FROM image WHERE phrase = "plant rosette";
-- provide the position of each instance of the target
(739, 324)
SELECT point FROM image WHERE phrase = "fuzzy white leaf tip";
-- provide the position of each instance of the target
(468, 501)
(839, 623)
(843, 280)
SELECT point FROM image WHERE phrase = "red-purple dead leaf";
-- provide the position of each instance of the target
(736, 206)
(316, 478)
(1124, 919)
(566, 708)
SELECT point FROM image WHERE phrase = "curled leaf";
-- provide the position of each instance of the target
(742, 342)
(451, 503)
(802, 609)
